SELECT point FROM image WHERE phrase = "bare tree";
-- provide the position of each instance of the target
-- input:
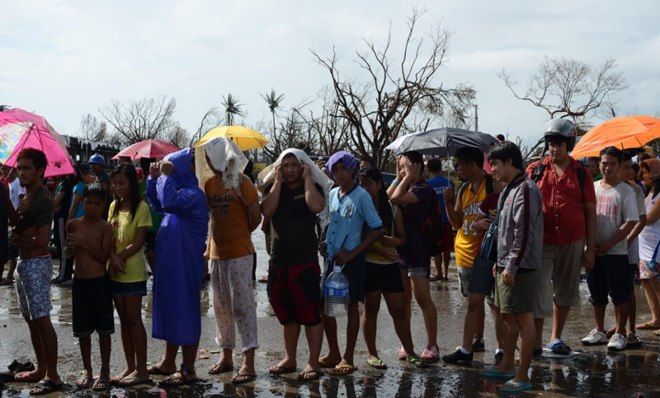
(91, 129)
(138, 120)
(232, 108)
(570, 88)
(292, 132)
(178, 136)
(379, 107)
(328, 130)
(212, 118)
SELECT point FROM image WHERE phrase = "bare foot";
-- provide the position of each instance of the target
(329, 361)
(122, 375)
(29, 377)
(287, 365)
(162, 369)
(140, 375)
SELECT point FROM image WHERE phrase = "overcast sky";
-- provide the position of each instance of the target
(64, 59)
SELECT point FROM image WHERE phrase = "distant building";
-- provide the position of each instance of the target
(81, 149)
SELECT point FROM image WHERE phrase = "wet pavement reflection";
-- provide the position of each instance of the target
(594, 372)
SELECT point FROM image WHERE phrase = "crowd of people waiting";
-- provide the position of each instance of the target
(523, 235)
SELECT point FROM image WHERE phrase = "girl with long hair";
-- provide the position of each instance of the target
(130, 218)
(383, 275)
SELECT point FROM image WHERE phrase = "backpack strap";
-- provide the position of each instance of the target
(581, 175)
(537, 173)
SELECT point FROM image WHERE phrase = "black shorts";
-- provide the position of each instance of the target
(129, 288)
(481, 280)
(150, 241)
(294, 292)
(383, 277)
(92, 307)
(354, 272)
(610, 275)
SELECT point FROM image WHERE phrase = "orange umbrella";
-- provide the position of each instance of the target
(624, 132)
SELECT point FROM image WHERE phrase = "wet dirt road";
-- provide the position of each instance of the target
(595, 372)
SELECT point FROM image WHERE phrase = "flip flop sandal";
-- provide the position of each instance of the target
(46, 387)
(177, 379)
(157, 371)
(416, 361)
(132, 382)
(101, 385)
(85, 383)
(514, 387)
(220, 368)
(281, 370)
(310, 375)
(376, 363)
(648, 325)
(343, 370)
(242, 379)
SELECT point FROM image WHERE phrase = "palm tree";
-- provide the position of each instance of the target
(233, 107)
(274, 102)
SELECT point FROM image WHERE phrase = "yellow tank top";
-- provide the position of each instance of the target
(468, 241)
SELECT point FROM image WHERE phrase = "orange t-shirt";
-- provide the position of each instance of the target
(230, 233)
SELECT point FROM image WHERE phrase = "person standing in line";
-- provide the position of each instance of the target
(16, 192)
(352, 212)
(616, 216)
(569, 211)
(33, 220)
(519, 247)
(90, 239)
(383, 274)
(627, 175)
(463, 213)
(97, 164)
(179, 266)
(439, 183)
(415, 198)
(649, 242)
(235, 213)
(292, 203)
(130, 219)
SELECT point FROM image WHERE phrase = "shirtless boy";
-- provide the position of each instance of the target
(90, 238)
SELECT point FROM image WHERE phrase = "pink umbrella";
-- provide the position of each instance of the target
(21, 129)
(153, 149)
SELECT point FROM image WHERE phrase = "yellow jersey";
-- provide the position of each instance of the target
(468, 240)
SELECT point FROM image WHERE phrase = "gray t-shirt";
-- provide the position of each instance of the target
(614, 207)
(633, 247)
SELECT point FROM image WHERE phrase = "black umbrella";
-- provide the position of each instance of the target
(441, 142)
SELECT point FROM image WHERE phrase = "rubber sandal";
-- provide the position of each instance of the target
(494, 373)
(157, 371)
(281, 370)
(85, 383)
(132, 381)
(242, 379)
(416, 361)
(177, 379)
(220, 368)
(559, 347)
(46, 387)
(376, 363)
(305, 375)
(648, 325)
(101, 385)
(344, 369)
(514, 387)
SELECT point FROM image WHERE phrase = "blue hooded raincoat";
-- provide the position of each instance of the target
(180, 245)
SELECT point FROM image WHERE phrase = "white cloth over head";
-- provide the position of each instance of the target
(225, 157)
(267, 175)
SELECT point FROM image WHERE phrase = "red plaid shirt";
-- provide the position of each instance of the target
(563, 202)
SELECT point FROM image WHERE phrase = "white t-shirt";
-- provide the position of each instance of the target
(633, 247)
(15, 190)
(650, 235)
(614, 207)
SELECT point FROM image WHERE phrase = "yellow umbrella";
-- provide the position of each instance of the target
(245, 138)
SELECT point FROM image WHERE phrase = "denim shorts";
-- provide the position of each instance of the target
(129, 288)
